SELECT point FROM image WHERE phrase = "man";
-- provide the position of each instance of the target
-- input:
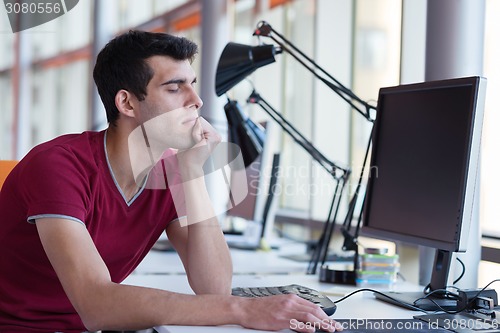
(79, 213)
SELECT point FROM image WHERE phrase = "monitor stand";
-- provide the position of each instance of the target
(435, 300)
(409, 300)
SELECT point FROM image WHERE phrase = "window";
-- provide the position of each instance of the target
(490, 161)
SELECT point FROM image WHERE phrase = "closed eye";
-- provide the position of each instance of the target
(175, 85)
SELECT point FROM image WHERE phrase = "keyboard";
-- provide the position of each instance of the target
(306, 293)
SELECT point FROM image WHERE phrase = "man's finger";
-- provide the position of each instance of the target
(198, 132)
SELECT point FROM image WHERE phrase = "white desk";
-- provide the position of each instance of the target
(262, 269)
(359, 306)
(244, 262)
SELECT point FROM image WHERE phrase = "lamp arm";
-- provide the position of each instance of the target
(264, 29)
(320, 252)
(351, 241)
(323, 245)
(327, 164)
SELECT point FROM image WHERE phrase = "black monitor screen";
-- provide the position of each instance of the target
(421, 163)
(423, 174)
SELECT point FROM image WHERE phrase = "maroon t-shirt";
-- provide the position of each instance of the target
(68, 177)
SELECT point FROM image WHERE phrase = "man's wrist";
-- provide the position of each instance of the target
(189, 172)
(237, 309)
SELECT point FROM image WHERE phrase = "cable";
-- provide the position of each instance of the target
(407, 305)
(428, 287)
(463, 270)
(442, 293)
(456, 295)
(477, 294)
(447, 294)
(427, 296)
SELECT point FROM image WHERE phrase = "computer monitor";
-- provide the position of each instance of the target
(423, 171)
(252, 220)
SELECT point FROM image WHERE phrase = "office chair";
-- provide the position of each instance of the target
(5, 167)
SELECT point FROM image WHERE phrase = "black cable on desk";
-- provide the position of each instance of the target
(416, 307)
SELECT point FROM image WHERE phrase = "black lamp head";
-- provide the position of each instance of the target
(244, 132)
(237, 61)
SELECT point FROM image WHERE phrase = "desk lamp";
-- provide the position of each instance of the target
(244, 132)
(236, 62)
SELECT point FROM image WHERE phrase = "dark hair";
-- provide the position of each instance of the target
(121, 64)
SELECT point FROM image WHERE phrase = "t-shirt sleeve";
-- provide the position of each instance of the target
(55, 183)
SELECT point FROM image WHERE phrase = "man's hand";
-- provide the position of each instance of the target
(285, 311)
(206, 139)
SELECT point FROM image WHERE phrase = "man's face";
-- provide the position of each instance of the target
(170, 108)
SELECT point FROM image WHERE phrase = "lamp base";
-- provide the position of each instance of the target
(329, 275)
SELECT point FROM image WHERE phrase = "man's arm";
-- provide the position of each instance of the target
(198, 237)
(204, 253)
(103, 304)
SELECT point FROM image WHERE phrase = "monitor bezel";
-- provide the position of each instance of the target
(469, 172)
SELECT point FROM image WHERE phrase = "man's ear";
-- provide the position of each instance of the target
(125, 103)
